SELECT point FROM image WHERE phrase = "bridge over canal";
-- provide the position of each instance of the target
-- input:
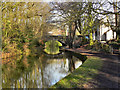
(60, 38)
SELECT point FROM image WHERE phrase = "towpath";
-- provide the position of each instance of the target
(109, 74)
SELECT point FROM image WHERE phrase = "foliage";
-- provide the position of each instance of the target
(22, 23)
(115, 45)
(98, 46)
(77, 17)
(82, 16)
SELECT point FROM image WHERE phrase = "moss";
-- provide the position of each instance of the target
(91, 39)
(81, 75)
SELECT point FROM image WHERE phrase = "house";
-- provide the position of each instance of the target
(103, 31)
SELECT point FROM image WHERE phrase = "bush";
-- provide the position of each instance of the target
(118, 41)
(35, 42)
(97, 46)
(115, 45)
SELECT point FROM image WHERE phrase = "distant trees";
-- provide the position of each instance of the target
(81, 16)
(113, 22)
(116, 26)
(78, 17)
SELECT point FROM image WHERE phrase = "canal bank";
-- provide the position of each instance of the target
(100, 70)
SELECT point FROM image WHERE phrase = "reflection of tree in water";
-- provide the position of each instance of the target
(37, 70)
(71, 63)
(12, 72)
(75, 60)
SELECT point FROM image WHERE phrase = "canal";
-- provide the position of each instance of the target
(39, 69)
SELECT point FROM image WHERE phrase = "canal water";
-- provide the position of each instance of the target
(38, 70)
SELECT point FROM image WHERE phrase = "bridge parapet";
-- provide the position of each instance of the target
(60, 38)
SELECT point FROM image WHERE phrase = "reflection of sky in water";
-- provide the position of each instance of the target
(55, 71)
(78, 63)
(44, 73)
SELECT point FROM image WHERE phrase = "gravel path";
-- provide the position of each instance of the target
(109, 74)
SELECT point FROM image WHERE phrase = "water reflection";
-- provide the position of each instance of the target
(52, 47)
(37, 71)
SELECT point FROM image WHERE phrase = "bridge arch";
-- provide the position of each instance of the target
(57, 38)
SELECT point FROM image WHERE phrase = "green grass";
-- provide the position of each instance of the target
(81, 75)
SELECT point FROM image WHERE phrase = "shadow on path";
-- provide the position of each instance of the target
(108, 76)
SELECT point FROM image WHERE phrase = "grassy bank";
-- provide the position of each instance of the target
(81, 75)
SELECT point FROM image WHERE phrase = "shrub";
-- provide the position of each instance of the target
(97, 46)
(115, 45)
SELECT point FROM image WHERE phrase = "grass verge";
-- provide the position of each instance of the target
(81, 75)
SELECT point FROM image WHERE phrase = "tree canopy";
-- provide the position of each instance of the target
(82, 16)
(22, 22)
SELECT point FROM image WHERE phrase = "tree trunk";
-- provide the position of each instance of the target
(79, 24)
(69, 37)
(91, 39)
(116, 19)
(90, 23)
